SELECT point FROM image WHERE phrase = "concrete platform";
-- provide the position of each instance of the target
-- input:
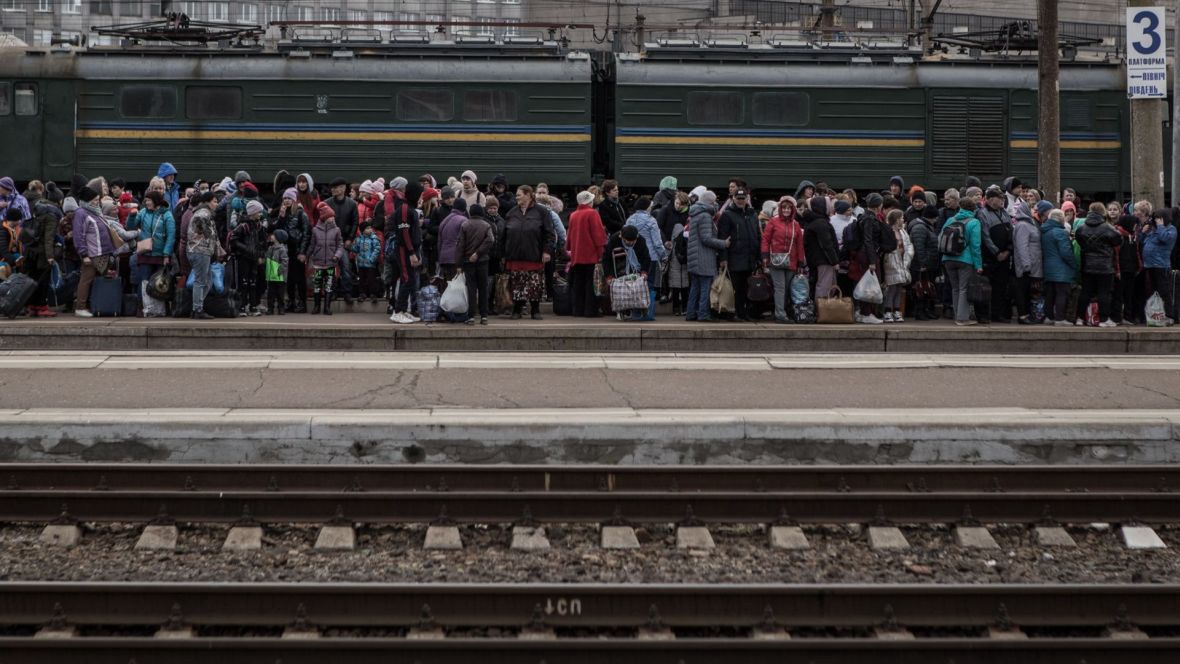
(370, 330)
(589, 435)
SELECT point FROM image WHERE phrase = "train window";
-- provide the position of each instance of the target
(432, 105)
(778, 109)
(485, 105)
(715, 108)
(147, 101)
(5, 98)
(212, 102)
(25, 98)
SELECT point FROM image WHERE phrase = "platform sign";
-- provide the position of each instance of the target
(1147, 66)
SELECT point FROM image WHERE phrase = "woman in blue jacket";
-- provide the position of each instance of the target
(157, 235)
(1059, 266)
(1158, 238)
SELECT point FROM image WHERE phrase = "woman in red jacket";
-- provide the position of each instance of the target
(586, 240)
(782, 251)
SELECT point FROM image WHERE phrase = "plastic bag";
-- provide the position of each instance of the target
(721, 294)
(55, 279)
(216, 278)
(868, 289)
(799, 289)
(454, 298)
(1155, 313)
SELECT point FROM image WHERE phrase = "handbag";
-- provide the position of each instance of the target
(721, 297)
(144, 246)
(834, 310)
(924, 288)
(759, 288)
(783, 261)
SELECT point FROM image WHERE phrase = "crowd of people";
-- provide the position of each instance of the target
(398, 242)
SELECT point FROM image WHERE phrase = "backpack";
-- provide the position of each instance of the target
(30, 233)
(852, 238)
(952, 240)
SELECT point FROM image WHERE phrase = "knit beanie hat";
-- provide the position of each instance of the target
(874, 199)
(291, 194)
(87, 194)
(707, 197)
(476, 210)
(843, 207)
(430, 193)
(471, 176)
(399, 183)
(643, 204)
(668, 182)
(630, 232)
(585, 198)
(460, 204)
(253, 208)
(281, 236)
(242, 176)
(325, 211)
(14, 214)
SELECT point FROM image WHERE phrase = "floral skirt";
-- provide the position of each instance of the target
(526, 285)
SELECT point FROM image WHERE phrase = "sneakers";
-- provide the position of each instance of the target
(483, 320)
(1080, 323)
(401, 318)
(965, 323)
(897, 317)
(887, 317)
(201, 315)
(871, 320)
(83, 313)
(1062, 323)
(413, 318)
(1108, 323)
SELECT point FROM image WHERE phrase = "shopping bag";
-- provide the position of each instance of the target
(1155, 313)
(832, 310)
(454, 298)
(868, 289)
(629, 292)
(503, 293)
(799, 289)
(721, 297)
(216, 278)
(1092, 319)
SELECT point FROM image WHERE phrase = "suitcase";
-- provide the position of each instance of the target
(106, 296)
(15, 292)
(131, 305)
(222, 306)
(182, 303)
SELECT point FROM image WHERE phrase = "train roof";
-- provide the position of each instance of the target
(472, 66)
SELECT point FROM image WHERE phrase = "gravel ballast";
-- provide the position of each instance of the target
(838, 554)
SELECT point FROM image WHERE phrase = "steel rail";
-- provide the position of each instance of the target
(383, 507)
(902, 478)
(587, 651)
(591, 605)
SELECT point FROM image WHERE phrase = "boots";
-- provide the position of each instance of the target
(535, 308)
(517, 307)
(44, 312)
(328, 304)
(316, 309)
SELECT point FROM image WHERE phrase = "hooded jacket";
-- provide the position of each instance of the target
(157, 224)
(309, 199)
(803, 184)
(507, 200)
(996, 229)
(14, 199)
(327, 245)
(586, 237)
(896, 264)
(1057, 260)
(46, 217)
(973, 251)
(1157, 246)
(703, 243)
(819, 238)
(1097, 240)
(91, 236)
(665, 197)
(171, 192)
(899, 181)
(1127, 254)
(1026, 247)
(925, 241)
(649, 230)
(298, 229)
(784, 236)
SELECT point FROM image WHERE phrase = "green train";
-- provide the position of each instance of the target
(565, 118)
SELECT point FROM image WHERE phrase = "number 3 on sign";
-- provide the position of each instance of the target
(1148, 23)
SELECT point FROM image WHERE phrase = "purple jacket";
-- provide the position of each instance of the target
(448, 237)
(91, 236)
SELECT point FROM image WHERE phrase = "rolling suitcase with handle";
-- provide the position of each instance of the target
(15, 292)
(106, 296)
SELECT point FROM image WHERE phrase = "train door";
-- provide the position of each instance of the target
(59, 111)
(20, 116)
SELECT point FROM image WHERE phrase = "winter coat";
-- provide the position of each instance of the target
(803, 184)
(473, 197)
(157, 224)
(740, 225)
(587, 237)
(1127, 257)
(403, 234)
(202, 233)
(448, 238)
(243, 242)
(1057, 259)
(327, 245)
(996, 229)
(649, 230)
(703, 243)
(1157, 246)
(367, 247)
(1027, 256)
(171, 193)
(784, 237)
(925, 241)
(277, 262)
(1097, 240)
(46, 217)
(475, 237)
(347, 216)
(897, 262)
(819, 242)
(610, 210)
(310, 199)
(973, 252)
(527, 235)
(677, 271)
(555, 227)
(91, 236)
(668, 217)
(616, 265)
(298, 228)
(664, 198)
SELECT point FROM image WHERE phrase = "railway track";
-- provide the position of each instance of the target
(504, 494)
(548, 622)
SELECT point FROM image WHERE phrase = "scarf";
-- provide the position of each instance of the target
(632, 260)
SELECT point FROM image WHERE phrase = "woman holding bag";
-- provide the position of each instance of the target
(157, 237)
(782, 251)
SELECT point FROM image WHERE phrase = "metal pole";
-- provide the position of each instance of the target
(1049, 103)
(1147, 145)
(1176, 108)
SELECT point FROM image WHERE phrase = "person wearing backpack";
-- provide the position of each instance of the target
(996, 236)
(960, 244)
(37, 239)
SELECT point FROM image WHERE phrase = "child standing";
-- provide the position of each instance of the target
(367, 248)
(276, 271)
(897, 266)
(327, 247)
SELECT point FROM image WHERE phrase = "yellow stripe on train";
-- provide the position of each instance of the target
(1069, 145)
(199, 134)
(769, 140)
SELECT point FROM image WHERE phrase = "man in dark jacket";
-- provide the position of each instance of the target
(739, 225)
(1097, 240)
(499, 189)
(403, 241)
(347, 220)
(821, 247)
(476, 240)
(996, 233)
(430, 233)
(926, 265)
